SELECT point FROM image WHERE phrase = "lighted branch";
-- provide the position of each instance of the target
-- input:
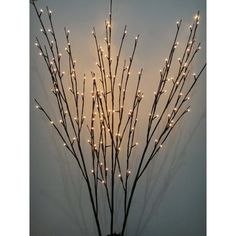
(111, 119)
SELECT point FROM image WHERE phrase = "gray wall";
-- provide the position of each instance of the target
(170, 200)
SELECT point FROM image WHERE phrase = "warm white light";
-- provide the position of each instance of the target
(128, 172)
(119, 175)
(196, 17)
(92, 171)
(74, 138)
(51, 122)
(61, 121)
(41, 10)
(64, 144)
(188, 110)
(136, 143)
(103, 182)
(37, 106)
(161, 146)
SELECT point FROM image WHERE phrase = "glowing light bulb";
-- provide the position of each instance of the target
(36, 44)
(64, 144)
(103, 182)
(180, 94)
(177, 22)
(51, 122)
(41, 10)
(50, 12)
(119, 175)
(88, 141)
(92, 171)
(128, 172)
(136, 143)
(74, 138)
(188, 110)
(61, 121)
(106, 169)
(161, 146)
(125, 31)
(156, 141)
(37, 106)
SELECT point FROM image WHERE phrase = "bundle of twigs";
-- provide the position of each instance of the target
(112, 125)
